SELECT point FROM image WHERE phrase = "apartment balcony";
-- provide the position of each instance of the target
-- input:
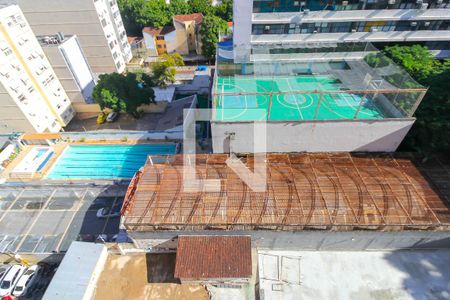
(389, 36)
(351, 16)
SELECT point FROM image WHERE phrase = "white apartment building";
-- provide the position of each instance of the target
(70, 65)
(97, 24)
(260, 22)
(32, 98)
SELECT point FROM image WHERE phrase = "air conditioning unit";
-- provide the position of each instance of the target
(344, 3)
(424, 6)
(427, 23)
(315, 31)
(306, 11)
(413, 24)
(302, 3)
(373, 29)
(439, 1)
(296, 3)
(419, 2)
(353, 30)
(391, 2)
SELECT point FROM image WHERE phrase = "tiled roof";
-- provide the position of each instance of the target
(341, 191)
(197, 17)
(158, 31)
(203, 257)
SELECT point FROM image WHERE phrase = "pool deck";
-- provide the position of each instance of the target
(58, 149)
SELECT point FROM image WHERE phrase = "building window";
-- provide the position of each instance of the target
(22, 98)
(104, 22)
(7, 51)
(111, 45)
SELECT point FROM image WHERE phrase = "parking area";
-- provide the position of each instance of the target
(46, 219)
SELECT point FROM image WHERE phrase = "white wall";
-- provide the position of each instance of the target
(314, 136)
(77, 63)
(242, 23)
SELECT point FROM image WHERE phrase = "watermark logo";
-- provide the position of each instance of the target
(228, 137)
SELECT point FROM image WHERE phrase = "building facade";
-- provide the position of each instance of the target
(32, 99)
(160, 41)
(258, 22)
(183, 37)
(70, 65)
(97, 24)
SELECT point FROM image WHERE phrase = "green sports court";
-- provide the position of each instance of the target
(289, 98)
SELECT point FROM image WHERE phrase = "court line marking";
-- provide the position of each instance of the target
(298, 108)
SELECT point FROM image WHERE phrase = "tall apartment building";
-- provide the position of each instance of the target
(97, 24)
(258, 22)
(70, 65)
(32, 98)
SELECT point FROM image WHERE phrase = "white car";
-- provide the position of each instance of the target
(26, 281)
(3, 270)
(10, 279)
(112, 116)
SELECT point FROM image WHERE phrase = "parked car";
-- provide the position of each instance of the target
(3, 270)
(101, 118)
(10, 279)
(26, 281)
(112, 116)
(107, 212)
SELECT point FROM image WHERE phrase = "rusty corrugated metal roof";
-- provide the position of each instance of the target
(334, 191)
(203, 257)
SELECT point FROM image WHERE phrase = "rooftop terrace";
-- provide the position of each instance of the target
(303, 82)
(304, 191)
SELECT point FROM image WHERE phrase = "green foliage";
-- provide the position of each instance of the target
(201, 6)
(133, 15)
(157, 13)
(124, 93)
(164, 70)
(431, 131)
(224, 10)
(376, 60)
(139, 13)
(211, 27)
(416, 60)
(179, 7)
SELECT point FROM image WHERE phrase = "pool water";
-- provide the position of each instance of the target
(105, 161)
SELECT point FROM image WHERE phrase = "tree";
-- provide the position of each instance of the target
(179, 7)
(164, 70)
(157, 13)
(210, 29)
(133, 15)
(124, 93)
(416, 60)
(431, 131)
(224, 10)
(201, 6)
(139, 13)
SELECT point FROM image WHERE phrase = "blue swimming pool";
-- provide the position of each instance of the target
(105, 161)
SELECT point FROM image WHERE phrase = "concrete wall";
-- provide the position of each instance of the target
(242, 24)
(181, 37)
(72, 17)
(314, 136)
(310, 240)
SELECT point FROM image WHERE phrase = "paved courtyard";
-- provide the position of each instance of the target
(47, 218)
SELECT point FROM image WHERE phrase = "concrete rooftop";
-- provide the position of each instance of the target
(354, 275)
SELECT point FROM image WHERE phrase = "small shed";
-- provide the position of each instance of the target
(214, 259)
